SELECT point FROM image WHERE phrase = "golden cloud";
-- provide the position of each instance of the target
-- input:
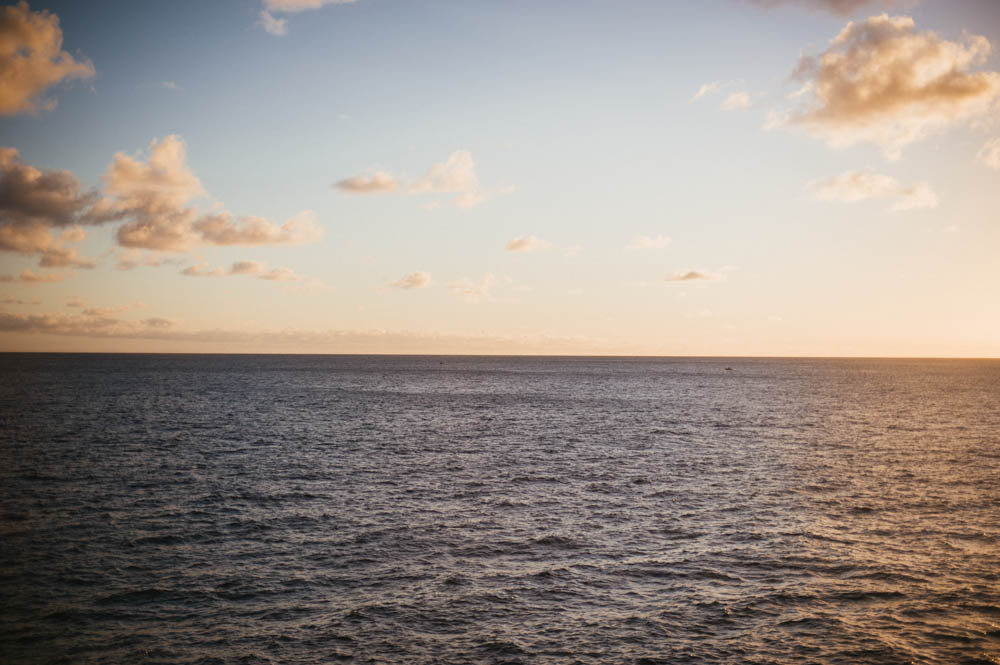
(881, 81)
(32, 59)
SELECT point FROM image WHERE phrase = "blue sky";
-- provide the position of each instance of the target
(580, 120)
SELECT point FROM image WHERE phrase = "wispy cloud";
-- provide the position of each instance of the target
(880, 81)
(692, 275)
(737, 101)
(474, 292)
(32, 59)
(279, 26)
(415, 280)
(256, 269)
(855, 186)
(28, 277)
(649, 242)
(839, 7)
(989, 154)
(708, 89)
(13, 300)
(527, 244)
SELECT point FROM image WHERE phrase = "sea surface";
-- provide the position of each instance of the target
(339, 509)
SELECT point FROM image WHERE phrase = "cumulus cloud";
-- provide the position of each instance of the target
(32, 59)
(40, 212)
(648, 242)
(737, 101)
(256, 269)
(854, 186)
(28, 277)
(883, 82)
(154, 197)
(527, 244)
(415, 280)
(457, 174)
(691, 275)
(279, 26)
(989, 154)
(840, 7)
(377, 183)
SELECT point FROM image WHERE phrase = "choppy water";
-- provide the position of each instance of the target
(297, 509)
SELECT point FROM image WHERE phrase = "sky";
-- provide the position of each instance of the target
(728, 177)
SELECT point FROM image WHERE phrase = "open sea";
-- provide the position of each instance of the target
(452, 510)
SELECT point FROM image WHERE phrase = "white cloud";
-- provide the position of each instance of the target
(456, 174)
(649, 242)
(882, 82)
(989, 154)
(737, 101)
(707, 89)
(415, 280)
(573, 250)
(527, 244)
(854, 186)
(32, 59)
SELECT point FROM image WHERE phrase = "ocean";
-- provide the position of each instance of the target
(384, 509)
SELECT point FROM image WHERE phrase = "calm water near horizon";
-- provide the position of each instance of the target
(380, 509)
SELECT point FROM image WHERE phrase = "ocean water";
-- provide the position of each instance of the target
(324, 509)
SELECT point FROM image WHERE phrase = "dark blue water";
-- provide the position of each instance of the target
(318, 509)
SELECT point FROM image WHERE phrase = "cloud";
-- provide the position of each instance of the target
(293, 6)
(707, 89)
(279, 26)
(474, 292)
(648, 242)
(154, 196)
(527, 244)
(457, 174)
(32, 59)
(840, 7)
(276, 26)
(573, 250)
(377, 183)
(882, 82)
(170, 85)
(286, 339)
(415, 280)
(29, 277)
(256, 269)
(737, 101)
(35, 204)
(989, 154)
(855, 186)
(690, 275)
(12, 300)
